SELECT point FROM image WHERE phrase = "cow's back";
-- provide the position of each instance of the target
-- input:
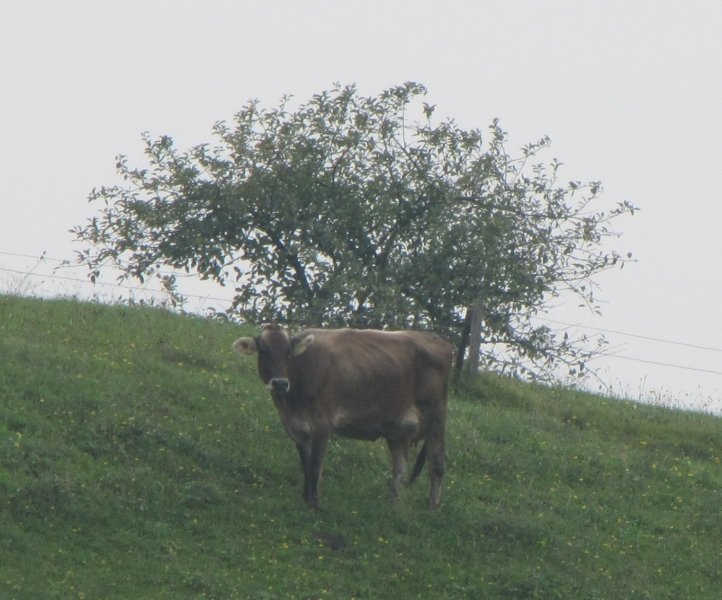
(349, 362)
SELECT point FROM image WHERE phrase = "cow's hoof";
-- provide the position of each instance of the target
(313, 503)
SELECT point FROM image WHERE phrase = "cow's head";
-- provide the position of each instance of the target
(275, 348)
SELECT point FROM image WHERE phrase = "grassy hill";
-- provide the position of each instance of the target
(139, 458)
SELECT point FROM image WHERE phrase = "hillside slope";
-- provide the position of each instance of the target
(139, 458)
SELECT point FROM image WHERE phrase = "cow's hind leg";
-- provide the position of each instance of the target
(436, 460)
(399, 454)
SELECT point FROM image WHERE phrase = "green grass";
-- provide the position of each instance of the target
(140, 458)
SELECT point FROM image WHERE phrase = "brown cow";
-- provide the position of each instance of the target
(359, 384)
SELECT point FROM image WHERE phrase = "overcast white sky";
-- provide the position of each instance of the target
(630, 93)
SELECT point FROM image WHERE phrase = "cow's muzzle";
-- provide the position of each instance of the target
(279, 384)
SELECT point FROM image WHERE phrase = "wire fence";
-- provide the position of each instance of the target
(46, 276)
(53, 277)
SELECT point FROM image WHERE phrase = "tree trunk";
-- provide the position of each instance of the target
(474, 341)
(461, 350)
(470, 338)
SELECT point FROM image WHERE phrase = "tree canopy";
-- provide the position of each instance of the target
(348, 210)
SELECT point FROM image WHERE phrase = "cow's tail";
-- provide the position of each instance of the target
(419, 464)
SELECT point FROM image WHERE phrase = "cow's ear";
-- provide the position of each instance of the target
(245, 345)
(299, 344)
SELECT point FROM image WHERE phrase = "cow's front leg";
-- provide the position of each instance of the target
(399, 455)
(318, 445)
(304, 453)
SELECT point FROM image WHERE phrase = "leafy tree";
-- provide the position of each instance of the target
(348, 210)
